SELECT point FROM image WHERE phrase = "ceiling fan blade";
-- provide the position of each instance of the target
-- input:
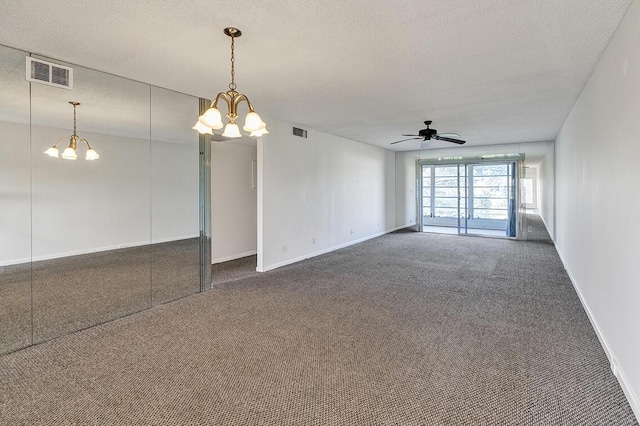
(410, 135)
(458, 141)
(403, 140)
(449, 135)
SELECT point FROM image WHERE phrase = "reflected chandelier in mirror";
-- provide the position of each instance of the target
(71, 152)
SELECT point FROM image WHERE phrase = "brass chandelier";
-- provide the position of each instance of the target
(70, 153)
(212, 119)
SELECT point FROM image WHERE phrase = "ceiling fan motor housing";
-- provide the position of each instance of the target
(427, 133)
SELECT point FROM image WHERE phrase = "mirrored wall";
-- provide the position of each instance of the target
(84, 241)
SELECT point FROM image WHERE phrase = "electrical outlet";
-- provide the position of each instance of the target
(529, 229)
(313, 240)
(284, 247)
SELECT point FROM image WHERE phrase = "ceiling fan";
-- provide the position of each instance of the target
(428, 134)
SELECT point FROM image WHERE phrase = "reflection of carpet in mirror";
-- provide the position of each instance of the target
(536, 230)
(15, 307)
(76, 292)
(175, 269)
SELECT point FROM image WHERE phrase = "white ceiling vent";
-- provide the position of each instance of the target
(39, 71)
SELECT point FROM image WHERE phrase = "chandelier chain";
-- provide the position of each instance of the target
(233, 86)
(74, 119)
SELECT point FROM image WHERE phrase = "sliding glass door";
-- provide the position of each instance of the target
(443, 189)
(469, 198)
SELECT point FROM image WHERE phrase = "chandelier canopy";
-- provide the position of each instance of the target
(212, 119)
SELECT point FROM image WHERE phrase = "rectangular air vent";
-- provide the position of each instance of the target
(39, 71)
(299, 132)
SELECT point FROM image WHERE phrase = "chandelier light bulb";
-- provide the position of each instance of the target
(69, 154)
(252, 122)
(259, 132)
(52, 152)
(91, 155)
(211, 118)
(201, 128)
(231, 130)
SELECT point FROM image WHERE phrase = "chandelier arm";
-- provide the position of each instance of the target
(240, 98)
(223, 95)
(58, 141)
(85, 141)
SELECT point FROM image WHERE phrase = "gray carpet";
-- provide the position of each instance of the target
(405, 329)
(234, 270)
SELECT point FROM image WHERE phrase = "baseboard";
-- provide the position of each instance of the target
(233, 257)
(94, 250)
(168, 240)
(13, 262)
(634, 402)
(547, 228)
(324, 251)
(397, 228)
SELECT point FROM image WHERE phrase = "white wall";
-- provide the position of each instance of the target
(597, 199)
(390, 191)
(531, 172)
(546, 190)
(234, 205)
(175, 178)
(175, 166)
(15, 167)
(406, 183)
(83, 206)
(15, 200)
(319, 193)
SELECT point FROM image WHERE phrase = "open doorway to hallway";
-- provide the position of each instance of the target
(234, 208)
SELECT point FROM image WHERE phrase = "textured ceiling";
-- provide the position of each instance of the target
(494, 71)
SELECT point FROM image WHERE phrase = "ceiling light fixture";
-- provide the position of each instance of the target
(71, 152)
(212, 119)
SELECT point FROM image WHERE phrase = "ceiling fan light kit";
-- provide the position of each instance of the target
(212, 119)
(429, 134)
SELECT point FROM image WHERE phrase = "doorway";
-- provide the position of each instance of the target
(469, 198)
